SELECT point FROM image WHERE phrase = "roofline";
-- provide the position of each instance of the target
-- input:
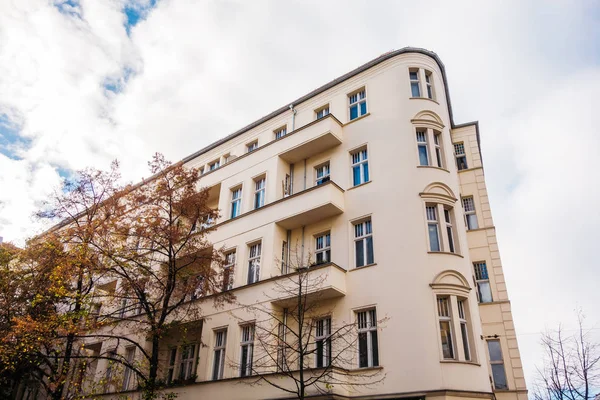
(327, 86)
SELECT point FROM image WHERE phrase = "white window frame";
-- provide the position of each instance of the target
(459, 153)
(187, 365)
(450, 231)
(280, 132)
(429, 84)
(236, 198)
(431, 213)
(254, 255)
(482, 278)
(198, 287)
(172, 365)
(250, 147)
(362, 231)
(366, 321)
(219, 354)
(416, 81)
(247, 343)
(438, 148)
(357, 99)
(423, 143)
(229, 270)
(444, 308)
(323, 336)
(359, 158)
(322, 173)
(464, 327)
(214, 165)
(128, 372)
(323, 247)
(260, 192)
(497, 362)
(468, 204)
(322, 112)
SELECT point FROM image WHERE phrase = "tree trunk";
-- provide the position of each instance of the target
(150, 387)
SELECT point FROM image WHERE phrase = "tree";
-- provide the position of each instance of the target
(298, 340)
(571, 367)
(153, 240)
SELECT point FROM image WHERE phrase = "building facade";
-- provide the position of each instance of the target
(371, 176)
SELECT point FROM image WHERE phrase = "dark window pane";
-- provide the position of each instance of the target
(450, 239)
(465, 340)
(366, 171)
(360, 253)
(414, 86)
(499, 376)
(438, 155)
(356, 175)
(446, 337)
(495, 350)
(363, 108)
(244, 365)
(423, 160)
(363, 360)
(319, 353)
(370, 256)
(434, 241)
(375, 347)
(353, 112)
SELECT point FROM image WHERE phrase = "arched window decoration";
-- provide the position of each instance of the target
(451, 291)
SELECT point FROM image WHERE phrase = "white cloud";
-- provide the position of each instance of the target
(193, 72)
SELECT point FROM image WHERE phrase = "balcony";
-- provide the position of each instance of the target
(326, 281)
(302, 208)
(314, 138)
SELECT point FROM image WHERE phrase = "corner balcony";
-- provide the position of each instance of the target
(325, 281)
(314, 138)
(302, 208)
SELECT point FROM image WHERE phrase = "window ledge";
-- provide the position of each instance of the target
(433, 166)
(357, 119)
(476, 364)
(468, 169)
(485, 228)
(357, 186)
(363, 369)
(445, 252)
(424, 98)
(363, 267)
(492, 303)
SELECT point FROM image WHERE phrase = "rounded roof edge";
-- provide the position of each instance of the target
(329, 85)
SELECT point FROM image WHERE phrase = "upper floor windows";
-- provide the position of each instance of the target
(433, 227)
(323, 342)
(259, 192)
(368, 346)
(228, 271)
(363, 243)
(250, 147)
(360, 167)
(322, 112)
(416, 77)
(323, 248)
(446, 331)
(437, 240)
(322, 172)
(236, 202)
(464, 327)
(281, 132)
(219, 354)
(357, 103)
(422, 147)
(461, 157)
(447, 322)
(470, 215)
(429, 147)
(187, 361)
(214, 165)
(247, 350)
(482, 280)
(254, 254)
(497, 364)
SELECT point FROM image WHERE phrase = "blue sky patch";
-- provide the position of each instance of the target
(116, 84)
(11, 143)
(136, 12)
(69, 7)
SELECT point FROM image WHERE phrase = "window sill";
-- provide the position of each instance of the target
(357, 186)
(468, 169)
(357, 119)
(363, 267)
(481, 229)
(424, 98)
(445, 252)
(363, 369)
(434, 167)
(476, 364)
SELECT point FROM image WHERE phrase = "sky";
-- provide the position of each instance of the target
(84, 82)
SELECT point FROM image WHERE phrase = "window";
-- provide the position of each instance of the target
(187, 364)
(250, 147)
(214, 165)
(360, 167)
(437, 141)
(322, 112)
(219, 360)
(464, 328)
(470, 216)
(228, 271)
(449, 230)
(497, 363)
(368, 349)
(445, 320)
(111, 357)
(198, 289)
(201, 170)
(461, 158)
(281, 132)
(323, 248)
(254, 263)
(433, 228)
(358, 104)
(284, 257)
(259, 192)
(128, 372)
(322, 172)
(247, 344)
(415, 88)
(422, 147)
(236, 202)
(171, 367)
(94, 313)
(124, 305)
(323, 342)
(281, 332)
(484, 291)
(429, 84)
(363, 243)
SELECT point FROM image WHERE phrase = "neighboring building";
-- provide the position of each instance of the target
(373, 176)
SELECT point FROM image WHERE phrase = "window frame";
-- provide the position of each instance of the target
(362, 163)
(213, 165)
(323, 111)
(323, 336)
(422, 133)
(260, 192)
(252, 146)
(415, 83)
(432, 219)
(458, 156)
(235, 200)
(254, 262)
(172, 364)
(465, 332)
(449, 320)
(363, 237)
(325, 249)
(497, 362)
(429, 84)
(247, 341)
(370, 329)
(128, 372)
(219, 350)
(470, 212)
(450, 231)
(186, 366)
(482, 278)
(280, 132)
(229, 270)
(326, 175)
(358, 103)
